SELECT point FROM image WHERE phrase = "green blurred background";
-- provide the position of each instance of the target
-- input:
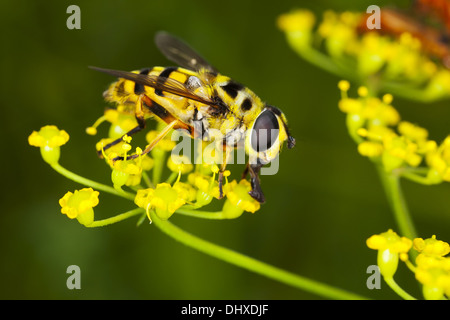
(323, 204)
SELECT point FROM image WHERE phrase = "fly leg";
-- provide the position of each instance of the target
(139, 113)
(226, 157)
(256, 191)
(154, 142)
(146, 105)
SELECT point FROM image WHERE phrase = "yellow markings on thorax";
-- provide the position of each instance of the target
(243, 103)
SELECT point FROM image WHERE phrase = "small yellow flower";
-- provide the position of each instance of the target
(49, 136)
(79, 205)
(298, 27)
(370, 149)
(351, 106)
(440, 84)
(344, 85)
(207, 188)
(412, 132)
(181, 164)
(400, 150)
(49, 139)
(389, 240)
(164, 199)
(296, 20)
(431, 246)
(186, 191)
(438, 158)
(121, 122)
(126, 172)
(390, 246)
(363, 91)
(238, 199)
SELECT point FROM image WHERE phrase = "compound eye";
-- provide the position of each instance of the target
(265, 131)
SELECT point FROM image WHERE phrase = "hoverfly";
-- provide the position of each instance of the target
(434, 37)
(197, 98)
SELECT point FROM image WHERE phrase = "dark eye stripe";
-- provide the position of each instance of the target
(262, 137)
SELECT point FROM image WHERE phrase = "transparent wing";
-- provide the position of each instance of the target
(179, 52)
(164, 84)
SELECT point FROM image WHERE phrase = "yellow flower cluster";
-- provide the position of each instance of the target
(381, 135)
(337, 44)
(198, 191)
(432, 268)
(199, 188)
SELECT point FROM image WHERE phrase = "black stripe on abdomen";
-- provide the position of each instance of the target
(162, 78)
(139, 88)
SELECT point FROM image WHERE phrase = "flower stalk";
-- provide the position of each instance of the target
(252, 264)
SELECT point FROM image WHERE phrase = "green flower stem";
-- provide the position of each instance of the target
(158, 156)
(410, 266)
(411, 93)
(118, 218)
(391, 183)
(418, 178)
(217, 215)
(87, 182)
(147, 180)
(251, 264)
(173, 176)
(322, 61)
(394, 286)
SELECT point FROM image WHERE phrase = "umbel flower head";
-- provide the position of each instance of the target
(49, 139)
(381, 135)
(397, 63)
(432, 268)
(79, 205)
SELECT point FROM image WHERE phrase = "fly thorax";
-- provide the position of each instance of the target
(193, 83)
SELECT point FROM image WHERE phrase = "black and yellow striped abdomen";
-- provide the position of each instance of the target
(126, 92)
(242, 106)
